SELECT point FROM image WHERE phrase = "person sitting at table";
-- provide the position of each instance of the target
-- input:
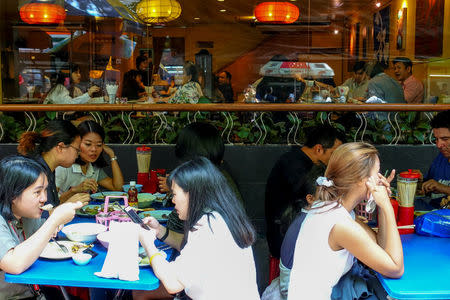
(57, 145)
(291, 222)
(87, 173)
(286, 180)
(194, 140)
(412, 87)
(23, 234)
(437, 180)
(191, 90)
(133, 88)
(59, 94)
(330, 239)
(382, 86)
(357, 84)
(216, 261)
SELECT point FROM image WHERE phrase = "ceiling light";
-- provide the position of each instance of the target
(277, 12)
(196, 18)
(378, 4)
(223, 10)
(336, 31)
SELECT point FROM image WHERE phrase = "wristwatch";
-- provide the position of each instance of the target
(113, 158)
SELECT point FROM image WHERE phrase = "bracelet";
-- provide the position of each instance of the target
(113, 158)
(164, 237)
(163, 254)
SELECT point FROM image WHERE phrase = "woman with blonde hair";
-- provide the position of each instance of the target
(330, 238)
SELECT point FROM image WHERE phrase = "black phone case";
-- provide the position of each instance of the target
(91, 252)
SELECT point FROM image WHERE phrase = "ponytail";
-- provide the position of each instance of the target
(29, 143)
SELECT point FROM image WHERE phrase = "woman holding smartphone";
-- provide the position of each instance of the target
(216, 260)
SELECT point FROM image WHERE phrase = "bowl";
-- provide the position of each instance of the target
(83, 232)
(81, 259)
(126, 187)
(104, 238)
(145, 200)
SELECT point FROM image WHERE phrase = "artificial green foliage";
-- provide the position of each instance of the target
(238, 127)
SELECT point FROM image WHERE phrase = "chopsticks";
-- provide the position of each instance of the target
(412, 226)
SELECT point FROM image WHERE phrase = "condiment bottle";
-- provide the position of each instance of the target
(132, 194)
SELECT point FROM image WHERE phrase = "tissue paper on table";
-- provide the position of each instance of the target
(122, 259)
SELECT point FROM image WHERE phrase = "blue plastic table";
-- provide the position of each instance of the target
(67, 273)
(427, 269)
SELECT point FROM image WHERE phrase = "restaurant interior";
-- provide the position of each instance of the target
(105, 37)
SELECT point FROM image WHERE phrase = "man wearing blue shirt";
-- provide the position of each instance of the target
(437, 180)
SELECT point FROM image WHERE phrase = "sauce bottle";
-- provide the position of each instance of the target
(132, 194)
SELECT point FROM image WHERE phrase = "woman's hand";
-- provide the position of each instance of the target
(80, 197)
(93, 89)
(86, 186)
(147, 238)
(387, 181)
(108, 151)
(65, 212)
(379, 191)
(162, 183)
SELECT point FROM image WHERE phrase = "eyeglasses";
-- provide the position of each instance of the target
(76, 149)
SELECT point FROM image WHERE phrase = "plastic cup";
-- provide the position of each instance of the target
(406, 188)
(143, 156)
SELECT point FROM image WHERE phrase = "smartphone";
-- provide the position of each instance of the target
(135, 217)
(91, 252)
(370, 205)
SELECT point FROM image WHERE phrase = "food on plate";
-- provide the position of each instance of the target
(94, 209)
(145, 261)
(77, 247)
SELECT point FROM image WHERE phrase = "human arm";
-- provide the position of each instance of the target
(88, 185)
(21, 257)
(385, 255)
(433, 186)
(165, 271)
(172, 238)
(116, 182)
(162, 183)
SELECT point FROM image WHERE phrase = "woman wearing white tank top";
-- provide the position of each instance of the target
(330, 239)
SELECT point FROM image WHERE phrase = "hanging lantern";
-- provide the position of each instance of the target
(158, 11)
(42, 13)
(276, 12)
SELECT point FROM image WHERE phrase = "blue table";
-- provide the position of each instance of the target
(427, 269)
(67, 273)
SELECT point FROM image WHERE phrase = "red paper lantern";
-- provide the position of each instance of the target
(42, 13)
(276, 12)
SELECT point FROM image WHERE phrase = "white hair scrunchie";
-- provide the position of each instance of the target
(324, 181)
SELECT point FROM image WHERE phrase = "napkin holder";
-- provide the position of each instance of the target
(106, 217)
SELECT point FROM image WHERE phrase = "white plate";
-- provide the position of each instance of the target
(101, 197)
(52, 250)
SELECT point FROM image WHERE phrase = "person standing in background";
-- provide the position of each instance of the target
(412, 87)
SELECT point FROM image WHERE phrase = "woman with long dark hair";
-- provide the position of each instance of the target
(87, 173)
(23, 234)
(57, 145)
(216, 261)
(59, 94)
